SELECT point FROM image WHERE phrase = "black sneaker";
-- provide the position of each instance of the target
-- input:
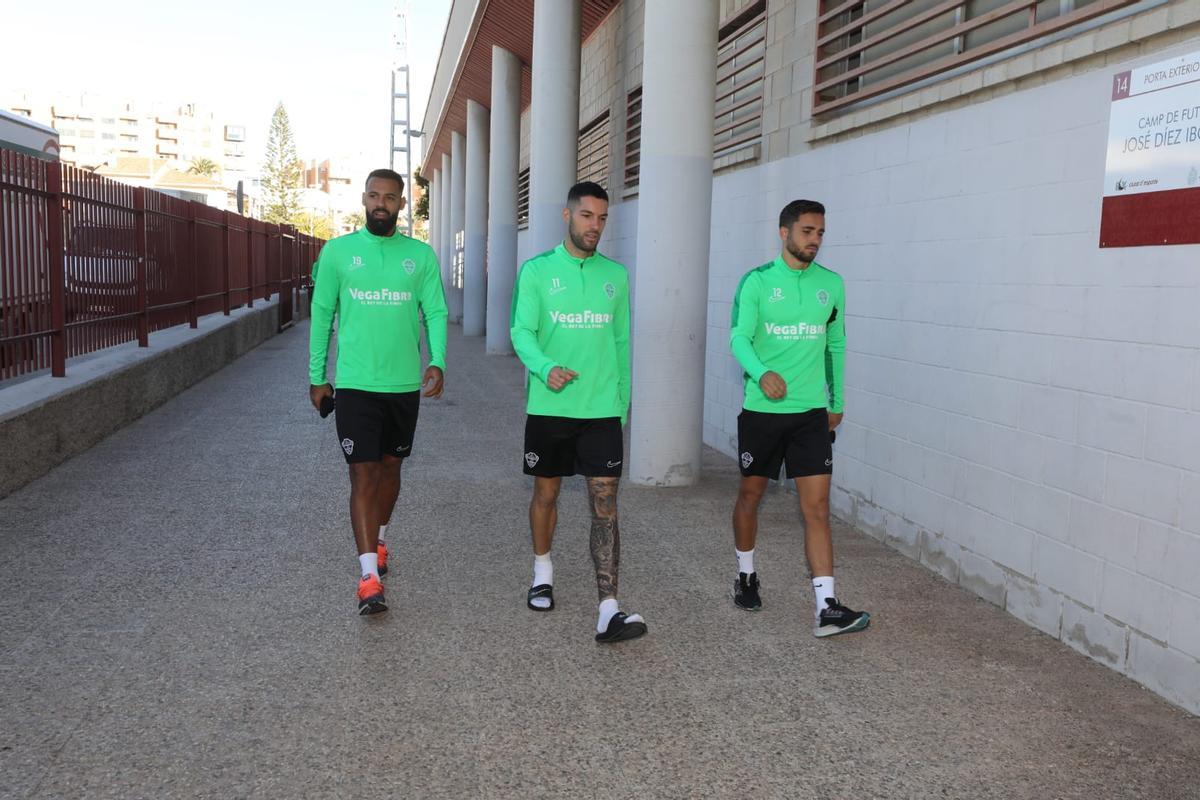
(836, 618)
(745, 592)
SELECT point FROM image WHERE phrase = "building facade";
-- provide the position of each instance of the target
(1022, 403)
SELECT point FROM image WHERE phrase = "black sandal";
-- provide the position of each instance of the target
(619, 630)
(541, 590)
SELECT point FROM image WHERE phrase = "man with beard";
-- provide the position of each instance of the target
(789, 334)
(570, 327)
(375, 281)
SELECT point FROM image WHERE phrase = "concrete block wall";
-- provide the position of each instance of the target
(1023, 408)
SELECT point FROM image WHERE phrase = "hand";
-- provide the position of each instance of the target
(316, 393)
(834, 420)
(433, 382)
(773, 385)
(560, 377)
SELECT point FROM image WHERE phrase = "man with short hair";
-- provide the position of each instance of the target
(789, 334)
(379, 284)
(570, 327)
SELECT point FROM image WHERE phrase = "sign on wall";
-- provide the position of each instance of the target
(1152, 169)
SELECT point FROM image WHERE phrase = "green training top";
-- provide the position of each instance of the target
(791, 321)
(574, 313)
(375, 285)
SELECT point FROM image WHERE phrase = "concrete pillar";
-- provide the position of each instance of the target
(553, 118)
(502, 197)
(444, 233)
(458, 211)
(435, 212)
(475, 280)
(671, 279)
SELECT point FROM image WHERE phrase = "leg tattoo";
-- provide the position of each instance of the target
(605, 537)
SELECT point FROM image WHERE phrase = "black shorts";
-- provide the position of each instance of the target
(800, 440)
(371, 425)
(560, 446)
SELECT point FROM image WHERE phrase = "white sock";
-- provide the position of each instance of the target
(382, 532)
(369, 563)
(608, 610)
(543, 572)
(823, 587)
(745, 560)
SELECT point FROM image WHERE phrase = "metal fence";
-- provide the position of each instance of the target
(87, 263)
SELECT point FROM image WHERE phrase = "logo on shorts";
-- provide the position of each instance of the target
(409, 265)
(612, 464)
(348, 446)
(747, 460)
(776, 295)
(402, 448)
(829, 462)
(823, 297)
(531, 458)
(610, 290)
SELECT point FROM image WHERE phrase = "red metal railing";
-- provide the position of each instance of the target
(88, 263)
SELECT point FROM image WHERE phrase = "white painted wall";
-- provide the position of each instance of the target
(1023, 408)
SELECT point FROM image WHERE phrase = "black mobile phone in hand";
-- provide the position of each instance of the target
(326, 406)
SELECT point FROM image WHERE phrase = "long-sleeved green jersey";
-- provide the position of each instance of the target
(376, 285)
(792, 322)
(574, 313)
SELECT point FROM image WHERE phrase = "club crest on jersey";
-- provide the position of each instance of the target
(610, 290)
(531, 458)
(823, 297)
(348, 446)
(747, 460)
(409, 265)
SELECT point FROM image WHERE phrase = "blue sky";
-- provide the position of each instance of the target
(329, 62)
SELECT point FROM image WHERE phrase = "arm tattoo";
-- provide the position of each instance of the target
(605, 537)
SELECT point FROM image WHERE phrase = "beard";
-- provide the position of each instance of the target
(382, 225)
(581, 244)
(798, 253)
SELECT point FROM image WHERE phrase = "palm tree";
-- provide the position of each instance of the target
(204, 166)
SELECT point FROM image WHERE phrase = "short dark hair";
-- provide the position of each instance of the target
(586, 189)
(793, 211)
(386, 174)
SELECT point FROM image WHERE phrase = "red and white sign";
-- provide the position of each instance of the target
(1152, 169)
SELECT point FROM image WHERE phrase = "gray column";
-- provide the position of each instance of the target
(435, 212)
(671, 279)
(502, 197)
(475, 281)
(458, 210)
(444, 233)
(553, 118)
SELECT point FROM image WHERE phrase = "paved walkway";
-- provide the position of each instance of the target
(177, 620)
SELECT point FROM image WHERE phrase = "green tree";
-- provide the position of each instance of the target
(319, 225)
(204, 166)
(281, 172)
(421, 209)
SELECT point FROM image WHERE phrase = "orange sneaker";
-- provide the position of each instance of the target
(382, 551)
(370, 595)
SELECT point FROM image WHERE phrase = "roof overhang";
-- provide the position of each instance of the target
(464, 70)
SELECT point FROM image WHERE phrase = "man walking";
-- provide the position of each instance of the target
(570, 327)
(375, 281)
(789, 334)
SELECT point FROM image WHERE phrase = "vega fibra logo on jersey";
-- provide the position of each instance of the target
(797, 332)
(581, 320)
(380, 297)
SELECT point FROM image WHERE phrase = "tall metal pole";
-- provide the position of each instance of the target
(403, 117)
